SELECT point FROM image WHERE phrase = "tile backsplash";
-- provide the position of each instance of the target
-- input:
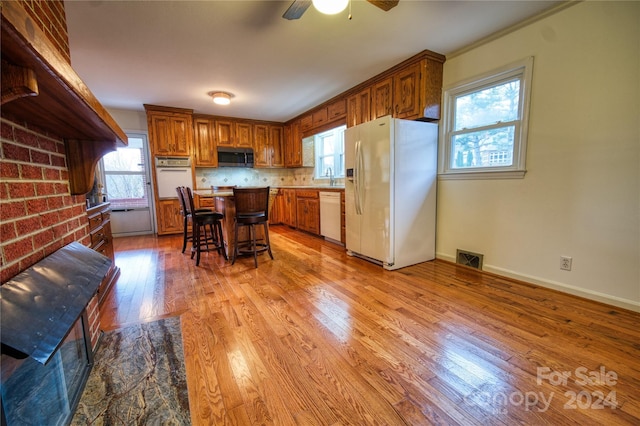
(226, 176)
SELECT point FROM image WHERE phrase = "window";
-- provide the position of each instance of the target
(125, 177)
(485, 125)
(329, 148)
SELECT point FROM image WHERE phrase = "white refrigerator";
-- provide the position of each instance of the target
(390, 191)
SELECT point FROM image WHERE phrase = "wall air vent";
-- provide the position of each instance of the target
(467, 258)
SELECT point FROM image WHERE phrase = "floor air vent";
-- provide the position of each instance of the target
(467, 258)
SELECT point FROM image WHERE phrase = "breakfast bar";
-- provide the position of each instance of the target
(223, 201)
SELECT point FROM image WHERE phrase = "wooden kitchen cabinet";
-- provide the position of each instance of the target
(277, 209)
(170, 131)
(359, 107)
(276, 140)
(99, 218)
(169, 217)
(205, 151)
(308, 211)
(289, 213)
(233, 133)
(406, 92)
(293, 145)
(337, 110)
(244, 134)
(382, 98)
(306, 123)
(319, 117)
(268, 150)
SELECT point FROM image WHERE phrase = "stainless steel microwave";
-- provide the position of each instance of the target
(235, 157)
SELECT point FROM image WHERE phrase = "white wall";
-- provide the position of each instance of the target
(130, 121)
(581, 194)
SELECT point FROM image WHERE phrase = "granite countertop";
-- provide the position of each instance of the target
(206, 192)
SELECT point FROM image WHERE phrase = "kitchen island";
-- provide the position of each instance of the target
(224, 202)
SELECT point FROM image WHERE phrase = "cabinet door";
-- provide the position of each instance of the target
(319, 117)
(261, 150)
(382, 98)
(160, 134)
(224, 133)
(313, 216)
(289, 216)
(301, 213)
(406, 93)
(205, 149)
(169, 217)
(276, 141)
(182, 131)
(244, 136)
(293, 145)
(359, 108)
(277, 209)
(306, 123)
(336, 110)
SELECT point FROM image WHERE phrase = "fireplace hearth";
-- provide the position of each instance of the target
(46, 349)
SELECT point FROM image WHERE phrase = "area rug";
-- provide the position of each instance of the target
(138, 378)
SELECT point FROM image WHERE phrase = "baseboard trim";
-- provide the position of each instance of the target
(554, 285)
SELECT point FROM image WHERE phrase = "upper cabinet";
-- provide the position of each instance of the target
(293, 144)
(268, 145)
(411, 90)
(337, 110)
(406, 92)
(233, 133)
(359, 107)
(170, 130)
(382, 98)
(205, 151)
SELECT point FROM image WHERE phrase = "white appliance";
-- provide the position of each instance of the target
(390, 191)
(172, 172)
(330, 215)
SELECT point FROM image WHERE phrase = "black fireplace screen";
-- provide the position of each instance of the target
(40, 305)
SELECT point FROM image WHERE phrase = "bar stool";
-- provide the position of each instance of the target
(186, 218)
(252, 208)
(201, 222)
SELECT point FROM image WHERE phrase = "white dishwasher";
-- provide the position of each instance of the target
(330, 226)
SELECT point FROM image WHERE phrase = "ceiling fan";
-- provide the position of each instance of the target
(298, 7)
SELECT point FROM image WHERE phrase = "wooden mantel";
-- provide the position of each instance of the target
(56, 99)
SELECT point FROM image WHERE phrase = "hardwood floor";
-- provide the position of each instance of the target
(316, 337)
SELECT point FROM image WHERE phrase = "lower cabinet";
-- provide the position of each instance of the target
(308, 211)
(102, 242)
(169, 217)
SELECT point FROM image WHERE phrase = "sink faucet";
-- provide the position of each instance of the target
(329, 173)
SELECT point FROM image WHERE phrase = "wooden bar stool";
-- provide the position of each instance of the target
(252, 208)
(186, 218)
(206, 228)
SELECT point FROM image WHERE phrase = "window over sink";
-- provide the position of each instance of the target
(329, 154)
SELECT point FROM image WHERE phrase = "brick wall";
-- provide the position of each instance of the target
(38, 215)
(50, 16)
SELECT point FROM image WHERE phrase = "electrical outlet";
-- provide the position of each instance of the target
(565, 263)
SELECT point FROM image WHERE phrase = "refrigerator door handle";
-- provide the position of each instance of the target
(356, 179)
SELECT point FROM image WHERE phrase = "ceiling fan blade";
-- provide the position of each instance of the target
(385, 5)
(297, 8)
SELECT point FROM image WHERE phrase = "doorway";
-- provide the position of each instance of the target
(126, 174)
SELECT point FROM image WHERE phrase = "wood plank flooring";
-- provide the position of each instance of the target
(316, 337)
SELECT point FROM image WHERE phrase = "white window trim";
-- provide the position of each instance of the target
(322, 174)
(518, 168)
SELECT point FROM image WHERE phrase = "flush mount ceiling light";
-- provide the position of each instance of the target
(221, 98)
(330, 7)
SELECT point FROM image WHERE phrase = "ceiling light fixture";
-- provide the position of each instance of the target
(330, 7)
(221, 98)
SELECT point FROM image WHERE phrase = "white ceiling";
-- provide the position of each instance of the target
(173, 53)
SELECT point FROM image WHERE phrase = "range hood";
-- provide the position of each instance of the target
(41, 304)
